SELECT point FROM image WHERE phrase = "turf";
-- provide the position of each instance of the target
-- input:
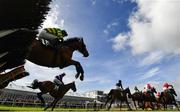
(39, 109)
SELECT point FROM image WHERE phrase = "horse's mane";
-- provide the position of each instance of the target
(70, 40)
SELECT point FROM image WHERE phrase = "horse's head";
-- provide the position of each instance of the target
(127, 90)
(73, 86)
(172, 91)
(153, 90)
(82, 48)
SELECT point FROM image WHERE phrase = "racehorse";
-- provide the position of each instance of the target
(167, 98)
(149, 97)
(120, 95)
(49, 87)
(138, 96)
(48, 57)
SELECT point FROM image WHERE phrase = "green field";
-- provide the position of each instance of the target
(10, 108)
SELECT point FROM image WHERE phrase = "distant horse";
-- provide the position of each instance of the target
(120, 95)
(149, 97)
(49, 87)
(138, 96)
(48, 57)
(167, 98)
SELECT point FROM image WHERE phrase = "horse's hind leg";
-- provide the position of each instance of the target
(110, 104)
(39, 95)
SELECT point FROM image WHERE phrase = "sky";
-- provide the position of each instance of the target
(136, 41)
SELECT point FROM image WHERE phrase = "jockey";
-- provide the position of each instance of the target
(58, 79)
(147, 88)
(119, 85)
(167, 86)
(136, 89)
(54, 36)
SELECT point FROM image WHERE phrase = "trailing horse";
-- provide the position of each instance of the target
(48, 57)
(149, 98)
(167, 98)
(121, 95)
(49, 87)
(144, 99)
(138, 96)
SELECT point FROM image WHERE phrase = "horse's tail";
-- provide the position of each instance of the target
(35, 84)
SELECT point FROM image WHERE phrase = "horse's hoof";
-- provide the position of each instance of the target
(81, 78)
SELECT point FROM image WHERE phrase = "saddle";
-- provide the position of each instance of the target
(58, 87)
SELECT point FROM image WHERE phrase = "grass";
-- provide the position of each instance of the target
(39, 109)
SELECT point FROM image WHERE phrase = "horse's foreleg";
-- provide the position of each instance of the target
(50, 105)
(176, 105)
(39, 95)
(135, 104)
(152, 106)
(54, 104)
(129, 108)
(79, 70)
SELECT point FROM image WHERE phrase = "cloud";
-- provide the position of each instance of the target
(93, 2)
(52, 19)
(111, 26)
(154, 27)
(120, 42)
(152, 72)
(152, 58)
(121, 1)
(44, 73)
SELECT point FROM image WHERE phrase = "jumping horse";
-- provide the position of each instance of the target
(47, 56)
(49, 87)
